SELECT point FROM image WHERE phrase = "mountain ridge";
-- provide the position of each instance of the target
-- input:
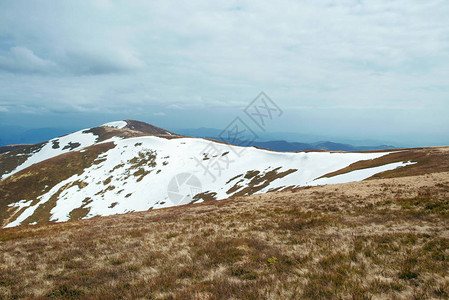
(127, 166)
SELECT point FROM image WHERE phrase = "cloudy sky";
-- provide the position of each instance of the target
(348, 68)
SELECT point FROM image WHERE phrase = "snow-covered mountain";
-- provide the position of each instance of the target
(128, 166)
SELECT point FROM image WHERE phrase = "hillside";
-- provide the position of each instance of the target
(380, 238)
(111, 218)
(129, 166)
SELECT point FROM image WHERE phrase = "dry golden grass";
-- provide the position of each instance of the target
(428, 160)
(386, 238)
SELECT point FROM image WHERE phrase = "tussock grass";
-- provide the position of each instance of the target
(384, 238)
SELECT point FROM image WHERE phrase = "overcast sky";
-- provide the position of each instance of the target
(348, 68)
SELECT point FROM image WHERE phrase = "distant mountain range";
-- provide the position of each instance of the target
(278, 141)
(12, 135)
(204, 132)
(284, 146)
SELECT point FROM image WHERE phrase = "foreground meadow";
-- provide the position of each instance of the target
(383, 238)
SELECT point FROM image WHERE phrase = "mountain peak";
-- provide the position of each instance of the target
(115, 124)
(139, 126)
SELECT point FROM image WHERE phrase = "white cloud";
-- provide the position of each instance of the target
(175, 106)
(22, 59)
(121, 55)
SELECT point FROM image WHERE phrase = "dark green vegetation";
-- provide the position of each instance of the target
(384, 238)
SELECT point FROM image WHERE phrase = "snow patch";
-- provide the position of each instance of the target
(24, 215)
(21, 204)
(116, 124)
(359, 175)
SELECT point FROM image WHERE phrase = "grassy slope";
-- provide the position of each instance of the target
(14, 158)
(385, 238)
(33, 181)
(428, 160)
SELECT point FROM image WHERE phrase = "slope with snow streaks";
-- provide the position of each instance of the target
(134, 174)
(358, 175)
(55, 147)
(107, 132)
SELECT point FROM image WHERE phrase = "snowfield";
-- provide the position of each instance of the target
(135, 174)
